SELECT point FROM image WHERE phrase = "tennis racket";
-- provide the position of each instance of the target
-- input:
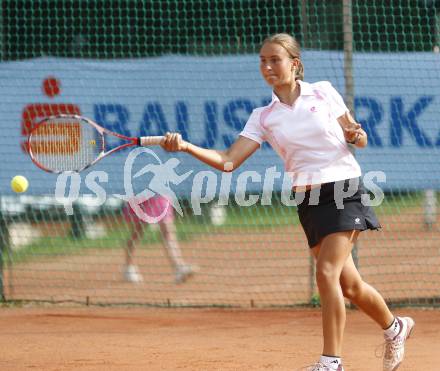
(72, 143)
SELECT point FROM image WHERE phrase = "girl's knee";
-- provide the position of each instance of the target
(326, 275)
(352, 290)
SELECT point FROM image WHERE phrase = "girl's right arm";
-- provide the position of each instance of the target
(226, 160)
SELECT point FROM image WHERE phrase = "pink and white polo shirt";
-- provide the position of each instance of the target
(306, 135)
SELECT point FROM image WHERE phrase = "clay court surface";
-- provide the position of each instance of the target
(56, 338)
(238, 267)
(241, 269)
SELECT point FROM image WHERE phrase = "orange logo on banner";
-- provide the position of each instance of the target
(68, 146)
(34, 112)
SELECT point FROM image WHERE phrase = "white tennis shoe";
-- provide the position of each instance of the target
(322, 367)
(131, 274)
(395, 347)
(184, 272)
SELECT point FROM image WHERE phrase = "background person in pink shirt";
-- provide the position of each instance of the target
(309, 126)
(157, 207)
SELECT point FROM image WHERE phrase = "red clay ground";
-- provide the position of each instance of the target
(239, 267)
(244, 267)
(195, 339)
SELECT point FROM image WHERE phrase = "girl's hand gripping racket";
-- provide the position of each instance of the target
(65, 143)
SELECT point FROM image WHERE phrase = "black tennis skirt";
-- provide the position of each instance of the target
(326, 210)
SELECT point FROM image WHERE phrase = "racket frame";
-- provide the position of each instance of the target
(131, 141)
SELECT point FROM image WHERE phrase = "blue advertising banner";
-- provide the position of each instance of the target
(208, 100)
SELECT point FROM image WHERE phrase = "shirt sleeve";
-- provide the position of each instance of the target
(337, 104)
(252, 129)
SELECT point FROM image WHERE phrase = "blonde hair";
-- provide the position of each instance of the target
(292, 47)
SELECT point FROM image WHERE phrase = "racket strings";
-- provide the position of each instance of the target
(65, 144)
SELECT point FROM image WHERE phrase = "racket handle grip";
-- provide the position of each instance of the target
(150, 141)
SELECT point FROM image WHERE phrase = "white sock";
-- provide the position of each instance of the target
(331, 362)
(393, 330)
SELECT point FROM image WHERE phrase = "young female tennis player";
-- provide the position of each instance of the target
(309, 126)
(160, 208)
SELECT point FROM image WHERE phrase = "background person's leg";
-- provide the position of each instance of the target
(131, 273)
(172, 249)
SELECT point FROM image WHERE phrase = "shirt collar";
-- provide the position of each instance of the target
(306, 89)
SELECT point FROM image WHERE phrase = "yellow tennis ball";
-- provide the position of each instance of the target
(19, 184)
